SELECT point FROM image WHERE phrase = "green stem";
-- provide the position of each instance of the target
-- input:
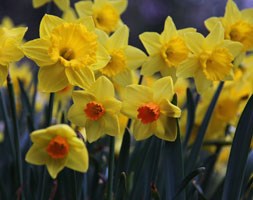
(111, 169)
(16, 133)
(48, 122)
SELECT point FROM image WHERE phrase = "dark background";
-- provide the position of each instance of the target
(140, 16)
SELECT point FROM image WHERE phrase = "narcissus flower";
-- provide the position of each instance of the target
(238, 25)
(10, 41)
(57, 147)
(166, 50)
(105, 13)
(66, 53)
(151, 109)
(211, 58)
(96, 109)
(123, 57)
(62, 4)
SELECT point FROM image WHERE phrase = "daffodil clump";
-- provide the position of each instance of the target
(105, 119)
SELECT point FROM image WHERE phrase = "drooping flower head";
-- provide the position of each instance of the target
(238, 25)
(151, 110)
(166, 50)
(62, 4)
(66, 53)
(123, 57)
(105, 13)
(96, 109)
(57, 147)
(10, 51)
(211, 58)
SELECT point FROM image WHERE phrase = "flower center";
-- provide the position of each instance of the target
(174, 52)
(106, 18)
(148, 113)
(73, 45)
(242, 32)
(58, 147)
(116, 65)
(94, 110)
(217, 64)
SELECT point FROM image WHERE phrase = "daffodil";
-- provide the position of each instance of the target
(238, 25)
(66, 52)
(166, 50)
(123, 57)
(152, 110)
(10, 51)
(62, 4)
(96, 109)
(57, 147)
(105, 13)
(211, 60)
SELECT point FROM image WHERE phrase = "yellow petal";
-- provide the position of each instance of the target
(87, 22)
(94, 130)
(39, 3)
(112, 106)
(247, 14)
(188, 68)
(111, 122)
(102, 36)
(37, 50)
(232, 13)
(151, 42)
(170, 129)
(170, 110)
(62, 4)
(77, 115)
(11, 52)
(36, 155)
(123, 78)
(141, 131)
(102, 88)
(169, 31)
(194, 42)
(103, 58)
(202, 84)
(119, 38)
(54, 166)
(78, 159)
(84, 8)
(49, 80)
(235, 48)
(16, 33)
(81, 77)
(3, 74)
(152, 65)
(120, 5)
(135, 57)
(169, 71)
(211, 22)
(48, 23)
(40, 137)
(61, 130)
(215, 36)
(163, 89)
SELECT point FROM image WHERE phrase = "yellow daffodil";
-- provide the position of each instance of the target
(123, 57)
(57, 147)
(238, 25)
(10, 41)
(151, 109)
(166, 50)
(211, 58)
(96, 109)
(62, 4)
(66, 53)
(105, 13)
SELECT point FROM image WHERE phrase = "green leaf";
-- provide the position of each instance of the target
(238, 155)
(122, 190)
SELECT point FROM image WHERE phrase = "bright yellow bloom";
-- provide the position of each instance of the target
(62, 4)
(151, 109)
(10, 41)
(66, 53)
(96, 109)
(105, 13)
(123, 57)
(211, 58)
(166, 50)
(57, 147)
(238, 25)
